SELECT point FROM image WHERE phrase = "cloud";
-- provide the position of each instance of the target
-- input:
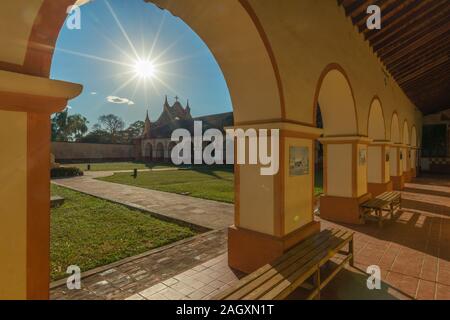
(119, 100)
(93, 93)
(69, 107)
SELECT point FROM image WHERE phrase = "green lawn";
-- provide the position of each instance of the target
(115, 166)
(318, 181)
(214, 183)
(89, 232)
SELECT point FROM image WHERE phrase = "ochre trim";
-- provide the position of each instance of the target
(38, 206)
(279, 189)
(354, 170)
(378, 188)
(249, 250)
(342, 209)
(31, 103)
(328, 68)
(237, 193)
(246, 5)
(270, 121)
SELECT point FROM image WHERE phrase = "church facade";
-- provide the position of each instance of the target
(155, 144)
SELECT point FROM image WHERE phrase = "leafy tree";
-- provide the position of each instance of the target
(111, 124)
(135, 130)
(68, 128)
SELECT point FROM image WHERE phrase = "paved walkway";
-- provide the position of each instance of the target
(205, 213)
(412, 251)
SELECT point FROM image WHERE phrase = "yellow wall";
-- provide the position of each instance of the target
(374, 163)
(20, 14)
(13, 204)
(256, 200)
(339, 169)
(314, 34)
(298, 189)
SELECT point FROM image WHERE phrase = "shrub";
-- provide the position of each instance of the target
(65, 172)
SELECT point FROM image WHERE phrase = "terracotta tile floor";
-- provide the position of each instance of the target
(413, 253)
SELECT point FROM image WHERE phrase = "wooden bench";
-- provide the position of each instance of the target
(382, 207)
(307, 265)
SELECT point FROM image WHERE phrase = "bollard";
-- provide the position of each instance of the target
(135, 173)
(89, 167)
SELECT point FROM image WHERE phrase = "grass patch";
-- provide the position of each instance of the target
(214, 183)
(115, 166)
(90, 232)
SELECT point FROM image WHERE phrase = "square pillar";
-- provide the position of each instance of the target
(345, 178)
(414, 162)
(397, 155)
(407, 163)
(378, 168)
(274, 213)
(26, 103)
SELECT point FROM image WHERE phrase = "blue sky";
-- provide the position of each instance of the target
(185, 65)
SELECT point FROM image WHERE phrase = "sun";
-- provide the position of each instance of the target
(145, 69)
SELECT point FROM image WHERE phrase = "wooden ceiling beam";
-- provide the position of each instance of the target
(397, 21)
(417, 29)
(395, 52)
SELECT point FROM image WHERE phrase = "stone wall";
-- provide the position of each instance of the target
(66, 152)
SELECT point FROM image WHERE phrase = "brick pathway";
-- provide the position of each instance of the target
(206, 213)
(123, 279)
(413, 253)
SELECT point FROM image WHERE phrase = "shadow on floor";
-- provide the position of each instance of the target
(351, 284)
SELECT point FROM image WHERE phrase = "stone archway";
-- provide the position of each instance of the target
(378, 177)
(345, 152)
(230, 32)
(148, 153)
(159, 152)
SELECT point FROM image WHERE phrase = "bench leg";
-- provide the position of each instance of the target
(351, 251)
(380, 218)
(316, 283)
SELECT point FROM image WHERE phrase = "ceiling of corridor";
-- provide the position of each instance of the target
(413, 44)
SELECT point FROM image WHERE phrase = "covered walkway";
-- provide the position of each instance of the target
(413, 253)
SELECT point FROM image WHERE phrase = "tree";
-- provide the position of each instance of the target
(68, 128)
(135, 130)
(111, 124)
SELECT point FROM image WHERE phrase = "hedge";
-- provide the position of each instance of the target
(66, 172)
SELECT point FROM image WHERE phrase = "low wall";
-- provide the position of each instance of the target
(71, 152)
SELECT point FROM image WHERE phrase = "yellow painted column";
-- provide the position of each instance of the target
(273, 213)
(413, 162)
(378, 168)
(26, 103)
(345, 178)
(397, 155)
(407, 163)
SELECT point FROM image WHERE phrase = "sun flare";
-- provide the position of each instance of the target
(145, 69)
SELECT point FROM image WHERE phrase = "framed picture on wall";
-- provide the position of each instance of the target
(298, 161)
(362, 157)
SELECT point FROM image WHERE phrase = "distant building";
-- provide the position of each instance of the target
(155, 144)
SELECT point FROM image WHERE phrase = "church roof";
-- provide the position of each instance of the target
(176, 116)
